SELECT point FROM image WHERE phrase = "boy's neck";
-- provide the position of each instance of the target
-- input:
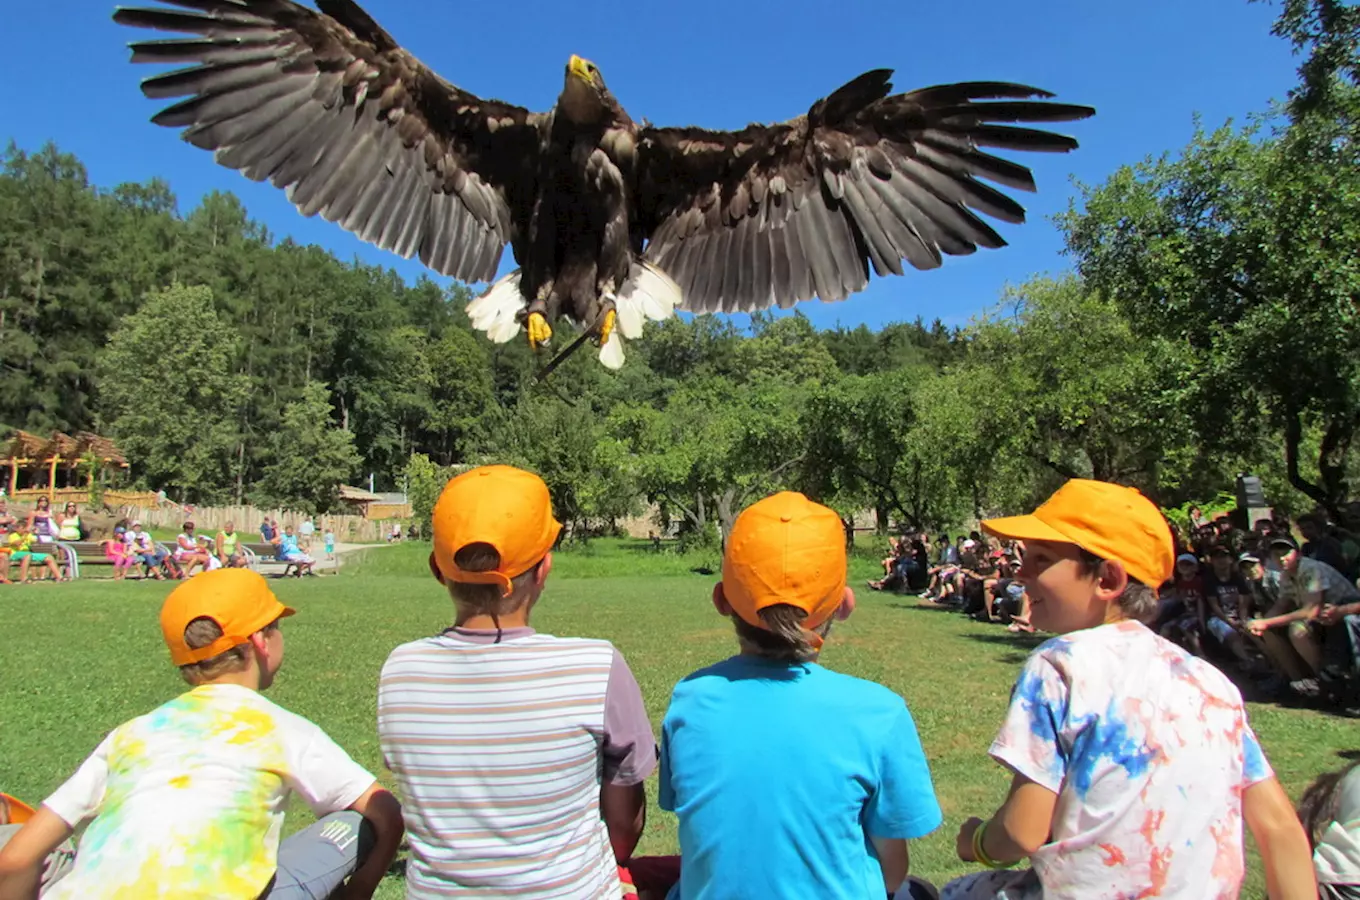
(517, 619)
(249, 678)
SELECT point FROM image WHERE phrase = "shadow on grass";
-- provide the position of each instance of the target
(926, 607)
(1350, 755)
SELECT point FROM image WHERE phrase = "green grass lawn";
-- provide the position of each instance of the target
(81, 658)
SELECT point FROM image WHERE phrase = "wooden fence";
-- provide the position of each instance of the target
(246, 519)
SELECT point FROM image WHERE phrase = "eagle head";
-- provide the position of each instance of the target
(585, 100)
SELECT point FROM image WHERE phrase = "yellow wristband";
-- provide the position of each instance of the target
(981, 855)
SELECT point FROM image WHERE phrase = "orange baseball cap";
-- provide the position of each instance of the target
(505, 507)
(1110, 520)
(238, 600)
(785, 549)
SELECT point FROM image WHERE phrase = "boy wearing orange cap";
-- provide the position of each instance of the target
(1133, 764)
(520, 756)
(188, 800)
(790, 780)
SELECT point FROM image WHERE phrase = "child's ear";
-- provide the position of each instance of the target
(1112, 580)
(847, 605)
(434, 570)
(544, 567)
(720, 600)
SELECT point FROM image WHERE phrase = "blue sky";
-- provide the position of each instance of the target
(1148, 68)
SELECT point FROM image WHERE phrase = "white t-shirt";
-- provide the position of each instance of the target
(1337, 857)
(1148, 750)
(192, 796)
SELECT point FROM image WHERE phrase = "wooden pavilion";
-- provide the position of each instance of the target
(52, 464)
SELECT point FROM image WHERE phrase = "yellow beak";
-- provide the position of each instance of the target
(580, 68)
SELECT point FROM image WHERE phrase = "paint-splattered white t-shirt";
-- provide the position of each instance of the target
(188, 800)
(1149, 751)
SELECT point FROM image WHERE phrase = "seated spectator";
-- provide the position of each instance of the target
(290, 553)
(152, 557)
(1227, 600)
(1302, 588)
(69, 528)
(269, 531)
(541, 744)
(21, 542)
(228, 549)
(1321, 544)
(40, 522)
(117, 551)
(189, 800)
(1133, 765)
(1180, 611)
(187, 551)
(1330, 812)
(853, 781)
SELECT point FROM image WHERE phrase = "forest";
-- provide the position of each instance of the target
(1206, 327)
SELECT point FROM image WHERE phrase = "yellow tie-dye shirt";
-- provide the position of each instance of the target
(188, 800)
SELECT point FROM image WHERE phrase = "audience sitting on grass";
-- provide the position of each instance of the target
(522, 757)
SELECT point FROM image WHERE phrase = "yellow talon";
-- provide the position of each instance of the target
(539, 332)
(606, 329)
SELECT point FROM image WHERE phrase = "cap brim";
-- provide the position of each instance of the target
(1024, 528)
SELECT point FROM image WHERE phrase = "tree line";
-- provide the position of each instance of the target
(1208, 327)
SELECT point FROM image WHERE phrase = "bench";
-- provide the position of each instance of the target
(72, 556)
(263, 558)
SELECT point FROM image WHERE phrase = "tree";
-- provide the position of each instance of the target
(309, 456)
(1240, 254)
(168, 394)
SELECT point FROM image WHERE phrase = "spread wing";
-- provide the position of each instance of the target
(328, 106)
(777, 214)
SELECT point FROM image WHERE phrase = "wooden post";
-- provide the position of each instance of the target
(52, 480)
(13, 475)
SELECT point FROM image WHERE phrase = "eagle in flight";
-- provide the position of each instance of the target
(610, 222)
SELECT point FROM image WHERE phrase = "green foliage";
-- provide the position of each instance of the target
(169, 394)
(309, 458)
(424, 483)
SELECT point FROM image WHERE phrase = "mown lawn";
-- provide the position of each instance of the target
(81, 658)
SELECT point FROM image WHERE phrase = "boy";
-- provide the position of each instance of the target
(188, 801)
(790, 780)
(520, 756)
(1133, 763)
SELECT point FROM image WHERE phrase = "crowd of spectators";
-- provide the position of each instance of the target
(29, 551)
(1275, 606)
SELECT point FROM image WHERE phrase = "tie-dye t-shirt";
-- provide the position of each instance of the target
(188, 800)
(1148, 750)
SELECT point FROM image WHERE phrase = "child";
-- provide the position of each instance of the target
(330, 545)
(1133, 762)
(188, 800)
(790, 780)
(1330, 812)
(520, 756)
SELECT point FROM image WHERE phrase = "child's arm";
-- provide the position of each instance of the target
(893, 860)
(1279, 836)
(624, 810)
(383, 812)
(1019, 828)
(22, 859)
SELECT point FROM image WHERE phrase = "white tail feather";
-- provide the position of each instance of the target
(611, 352)
(495, 311)
(649, 293)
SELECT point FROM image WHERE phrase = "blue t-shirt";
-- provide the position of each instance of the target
(779, 774)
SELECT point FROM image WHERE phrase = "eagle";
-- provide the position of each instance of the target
(611, 222)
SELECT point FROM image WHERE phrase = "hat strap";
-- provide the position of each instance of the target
(494, 576)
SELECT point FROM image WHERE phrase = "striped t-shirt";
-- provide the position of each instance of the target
(499, 749)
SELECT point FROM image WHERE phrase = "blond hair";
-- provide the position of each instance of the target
(783, 636)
